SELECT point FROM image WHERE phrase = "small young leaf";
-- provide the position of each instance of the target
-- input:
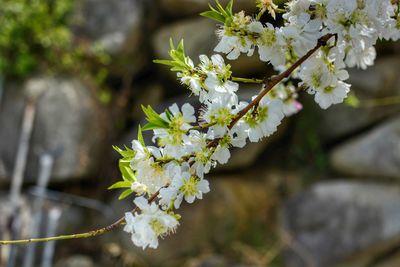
(228, 8)
(220, 13)
(125, 194)
(154, 119)
(168, 114)
(127, 153)
(213, 15)
(150, 126)
(140, 136)
(126, 171)
(179, 62)
(352, 101)
(120, 184)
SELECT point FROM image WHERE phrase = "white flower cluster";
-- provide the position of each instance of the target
(187, 145)
(356, 24)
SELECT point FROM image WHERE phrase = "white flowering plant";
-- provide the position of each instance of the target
(317, 41)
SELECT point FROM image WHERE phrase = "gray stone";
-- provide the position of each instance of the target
(76, 261)
(150, 94)
(333, 221)
(381, 80)
(3, 172)
(391, 261)
(194, 7)
(68, 119)
(203, 42)
(207, 261)
(117, 26)
(375, 153)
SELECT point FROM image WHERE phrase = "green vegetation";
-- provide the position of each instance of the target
(35, 36)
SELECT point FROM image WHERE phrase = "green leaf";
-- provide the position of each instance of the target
(352, 101)
(169, 114)
(152, 126)
(126, 170)
(120, 184)
(127, 153)
(213, 15)
(125, 194)
(229, 7)
(219, 13)
(179, 60)
(154, 119)
(140, 136)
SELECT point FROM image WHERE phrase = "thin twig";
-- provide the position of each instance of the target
(93, 233)
(247, 80)
(380, 102)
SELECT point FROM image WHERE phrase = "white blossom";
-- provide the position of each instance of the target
(173, 137)
(232, 43)
(263, 120)
(149, 224)
(184, 186)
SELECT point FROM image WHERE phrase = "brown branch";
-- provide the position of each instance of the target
(277, 79)
(93, 233)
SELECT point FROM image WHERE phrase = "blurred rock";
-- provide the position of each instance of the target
(393, 260)
(375, 153)
(3, 173)
(335, 220)
(151, 94)
(76, 261)
(378, 81)
(207, 261)
(25, 215)
(117, 26)
(68, 119)
(203, 42)
(195, 7)
(73, 219)
(239, 207)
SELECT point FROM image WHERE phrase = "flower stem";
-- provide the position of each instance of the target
(380, 102)
(247, 80)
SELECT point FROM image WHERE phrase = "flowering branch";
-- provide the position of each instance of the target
(268, 86)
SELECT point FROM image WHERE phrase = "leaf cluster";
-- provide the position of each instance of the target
(155, 121)
(35, 36)
(220, 14)
(128, 176)
(180, 62)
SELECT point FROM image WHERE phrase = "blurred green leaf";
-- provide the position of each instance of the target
(352, 100)
(120, 184)
(35, 36)
(125, 194)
